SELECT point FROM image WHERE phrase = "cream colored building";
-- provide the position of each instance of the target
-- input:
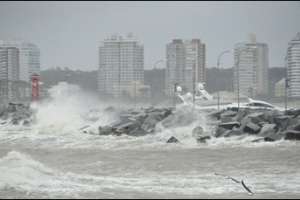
(279, 89)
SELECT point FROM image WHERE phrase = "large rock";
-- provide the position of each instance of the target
(228, 113)
(251, 128)
(256, 117)
(234, 132)
(229, 125)
(16, 114)
(220, 131)
(197, 132)
(268, 129)
(296, 127)
(150, 123)
(137, 132)
(273, 137)
(126, 127)
(173, 140)
(292, 135)
(293, 112)
(203, 139)
(106, 130)
(240, 115)
(227, 119)
(282, 121)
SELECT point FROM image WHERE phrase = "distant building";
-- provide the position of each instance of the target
(121, 65)
(29, 58)
(155, 78)
(185, 64)
(293, 66)
(279, 88)
(251, 68)
(9, 72)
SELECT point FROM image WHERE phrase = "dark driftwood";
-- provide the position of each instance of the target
(236, 181)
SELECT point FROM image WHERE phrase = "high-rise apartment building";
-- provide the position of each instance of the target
(29, 58)
(9, 71)
(251, 68)
(121, 66)
(185, 64)
(293, 67)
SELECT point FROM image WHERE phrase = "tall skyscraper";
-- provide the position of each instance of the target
(185, 64)
(293, 66)
(29, 58)
(251, 68)
(121, 65)
(9, 71)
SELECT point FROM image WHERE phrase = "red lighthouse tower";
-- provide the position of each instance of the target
(35, 78)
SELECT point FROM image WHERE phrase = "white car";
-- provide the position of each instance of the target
(255, 104)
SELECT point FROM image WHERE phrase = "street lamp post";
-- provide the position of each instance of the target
(218, 67)
(174, 98)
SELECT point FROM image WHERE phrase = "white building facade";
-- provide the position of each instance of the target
(29, 58)
(121, 65)
(9, 72)
(185, 64)
(293, 67)
(251, 69)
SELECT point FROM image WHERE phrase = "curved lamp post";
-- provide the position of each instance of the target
(218, 67)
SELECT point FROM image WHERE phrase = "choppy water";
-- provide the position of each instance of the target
(54, 159)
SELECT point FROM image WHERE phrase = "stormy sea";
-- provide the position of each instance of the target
(61, 155)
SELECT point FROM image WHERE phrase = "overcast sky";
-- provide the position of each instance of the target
(68, 33)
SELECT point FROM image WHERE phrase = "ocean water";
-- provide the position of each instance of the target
(53, 158)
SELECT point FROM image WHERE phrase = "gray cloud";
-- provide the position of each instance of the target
(68, 33)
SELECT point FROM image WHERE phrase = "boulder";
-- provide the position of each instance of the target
(227, 119)
(273, 137)
(126, 127)
(258, 139)
(149, 123)
(26, 123)
(173, 140)
(282, 121)
(137, 132)
(292, 135)
(235, 132)
(251, 128)
(293, 112)
(15, 121)
(110, 109)
(220, 131)
(256, 117)
(244, 122)
(296, 127)
(197, 132)
(106, 130)
(268, 129)
(228, 113)
(229, 125)
(240, 115)
(203, 139)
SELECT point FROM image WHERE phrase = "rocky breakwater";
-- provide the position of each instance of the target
(136, 123)
(267, 125)
(16, 114)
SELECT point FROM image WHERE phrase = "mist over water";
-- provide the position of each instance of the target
(62, 155)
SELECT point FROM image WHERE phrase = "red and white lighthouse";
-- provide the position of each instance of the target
(35, 78)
